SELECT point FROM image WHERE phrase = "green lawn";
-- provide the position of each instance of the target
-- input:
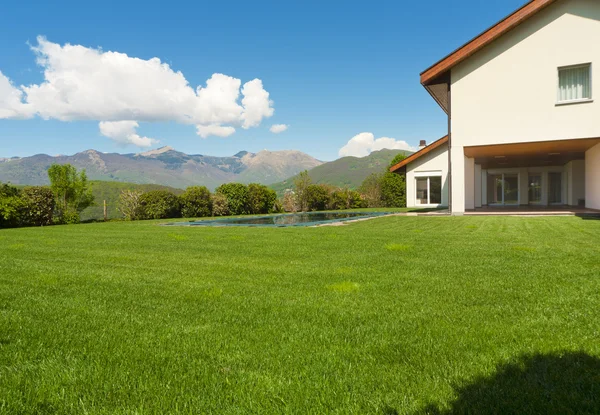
(394, 315)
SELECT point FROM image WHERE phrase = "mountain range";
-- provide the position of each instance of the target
(164, 166)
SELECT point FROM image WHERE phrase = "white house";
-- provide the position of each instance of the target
(523, 114)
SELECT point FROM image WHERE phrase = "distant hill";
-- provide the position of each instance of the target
(110, 191)
(346, 171)
(164, 166)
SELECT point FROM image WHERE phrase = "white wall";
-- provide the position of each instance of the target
(435, 161)
(592, 177)
(507, 92)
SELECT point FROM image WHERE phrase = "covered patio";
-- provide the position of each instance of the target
(539, 178)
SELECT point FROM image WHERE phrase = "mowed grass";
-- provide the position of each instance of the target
(388, 316)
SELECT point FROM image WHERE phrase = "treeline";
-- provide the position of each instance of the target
(198, 201)
(378, 190)
(59, 203)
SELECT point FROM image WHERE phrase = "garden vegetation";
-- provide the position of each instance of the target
(70, 194)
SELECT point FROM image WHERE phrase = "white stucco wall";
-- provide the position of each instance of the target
(435, 161)
(507, 92)
(592, 176)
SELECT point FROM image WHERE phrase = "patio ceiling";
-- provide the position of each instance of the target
(541, 153)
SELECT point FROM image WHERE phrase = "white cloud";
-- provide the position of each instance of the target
(363, 144)
(256, 103)
(124, 133)
(214, 129)
(82, 83)
(11, 101)
(278, 128)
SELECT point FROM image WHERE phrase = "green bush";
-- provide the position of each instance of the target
(317, 197)
(196, 202)
(261, 199)
(393, 190)
(39, 204)
(11, 207)
(219, 205)
(346, 199)
(159, 204)
(237, 197)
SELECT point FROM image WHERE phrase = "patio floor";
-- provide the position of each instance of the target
(534, 211)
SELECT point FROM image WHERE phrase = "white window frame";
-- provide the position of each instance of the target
(574, 101)
(428, 175)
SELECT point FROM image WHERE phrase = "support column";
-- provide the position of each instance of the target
(592, 177)
(457, 156)
(469, 183)
(478, 186)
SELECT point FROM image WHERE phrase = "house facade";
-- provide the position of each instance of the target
(523, 115)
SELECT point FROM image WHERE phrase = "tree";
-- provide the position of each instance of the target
(397, 159)
(39, 204)
(290, 202)
(129, 204)
(261, 199)
(317, 197)
(393, 185)
(219, 205)
(159, 204)
(237, 197)
(196, 202)
(300, 185)
(371, 190)
(71, 192)
(11, 206)
(393, 190)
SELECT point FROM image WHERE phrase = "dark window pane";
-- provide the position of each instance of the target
(435, 190)
(422, 191)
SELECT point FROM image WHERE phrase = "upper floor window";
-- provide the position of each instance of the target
(574, 84)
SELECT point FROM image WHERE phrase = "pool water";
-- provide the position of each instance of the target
(294, 219)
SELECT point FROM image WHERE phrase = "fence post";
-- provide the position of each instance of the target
(105, 212)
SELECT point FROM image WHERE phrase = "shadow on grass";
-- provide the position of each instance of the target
(588, 216)
(566, 383)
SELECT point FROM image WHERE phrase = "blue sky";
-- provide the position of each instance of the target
(333, 69)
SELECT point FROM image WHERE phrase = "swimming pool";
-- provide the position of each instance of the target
(285, 220)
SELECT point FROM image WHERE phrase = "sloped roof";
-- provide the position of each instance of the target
(419, 153)
(439, 73)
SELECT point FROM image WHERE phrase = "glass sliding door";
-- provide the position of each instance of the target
(555, 188)
(435, 190)
(503, 189)
(535, 188)
(422, 191)
(511, 189)
(428, 190)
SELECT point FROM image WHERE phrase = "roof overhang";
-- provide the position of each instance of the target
(437, 77)
(532, 154)
(397, 168)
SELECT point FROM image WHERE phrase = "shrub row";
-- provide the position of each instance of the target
(30, 206)
(197, 201)
(316, 197)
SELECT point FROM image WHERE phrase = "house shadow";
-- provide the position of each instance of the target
(588, 216)
(561, 383)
